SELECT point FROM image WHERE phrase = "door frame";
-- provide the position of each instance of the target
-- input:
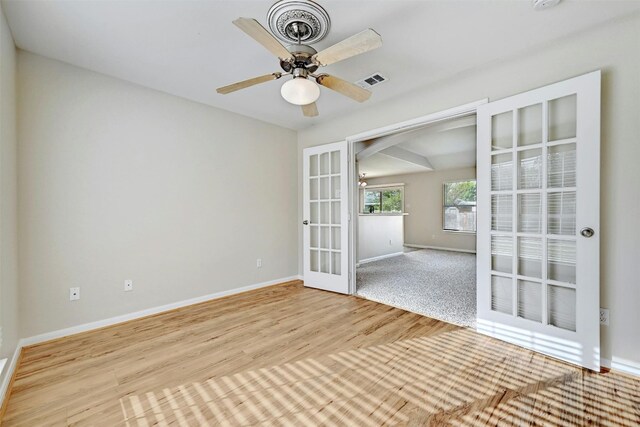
(353, 142)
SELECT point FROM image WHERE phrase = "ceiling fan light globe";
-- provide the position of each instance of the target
(300, 91)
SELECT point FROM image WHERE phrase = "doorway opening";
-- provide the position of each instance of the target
(415, 221)
(537, 240)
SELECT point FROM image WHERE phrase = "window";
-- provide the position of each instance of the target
(382, 200)
(459, 208)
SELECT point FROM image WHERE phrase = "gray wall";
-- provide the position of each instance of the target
(8, 195)
(614, 48)
(118, 182)
(379, 235)
(423, 203)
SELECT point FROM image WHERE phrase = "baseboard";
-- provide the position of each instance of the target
(11, 368)
(621, 365)
(9, 377)
(439, 248)
(48, 336)
(378, 258)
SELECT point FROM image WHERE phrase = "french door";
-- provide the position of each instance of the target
(538, 241)
(326, 217)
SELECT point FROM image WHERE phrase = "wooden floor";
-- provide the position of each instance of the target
(289, 355)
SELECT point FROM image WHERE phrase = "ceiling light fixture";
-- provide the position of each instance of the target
(361, 181)
(299, 90)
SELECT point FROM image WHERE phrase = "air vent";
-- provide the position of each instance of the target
(372, 80)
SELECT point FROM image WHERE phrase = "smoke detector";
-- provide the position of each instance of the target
(544, 4)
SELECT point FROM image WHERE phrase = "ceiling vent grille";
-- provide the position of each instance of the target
(372, 80)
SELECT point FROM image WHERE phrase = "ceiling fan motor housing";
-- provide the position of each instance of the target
(298, 21)
(302, 54)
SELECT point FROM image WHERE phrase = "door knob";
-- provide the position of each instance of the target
(305, 222)
(587, 232)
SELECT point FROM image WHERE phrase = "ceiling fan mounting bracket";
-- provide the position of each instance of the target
(298, 21)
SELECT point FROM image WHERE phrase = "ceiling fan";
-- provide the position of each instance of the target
(302, 23)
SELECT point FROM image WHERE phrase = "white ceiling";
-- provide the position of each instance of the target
(380, 165)
(188, 48)
(443, 149)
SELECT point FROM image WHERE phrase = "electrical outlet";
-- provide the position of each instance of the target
(259, 263)
(604, 316)
(74, 294)
(128, 285)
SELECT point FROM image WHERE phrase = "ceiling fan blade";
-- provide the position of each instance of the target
(247, 83)
(310, 110)
(344, 87)
(257, 32)
(355, 45)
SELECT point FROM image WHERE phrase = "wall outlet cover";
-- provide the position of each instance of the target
(604, 316)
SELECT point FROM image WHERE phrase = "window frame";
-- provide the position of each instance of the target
(381, 188)
(445, 206)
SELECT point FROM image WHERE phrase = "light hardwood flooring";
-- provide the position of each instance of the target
(289, 355)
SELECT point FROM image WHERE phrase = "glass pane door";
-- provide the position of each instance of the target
(538, 188)
(533, 186)
(325, 210)
(325, 203)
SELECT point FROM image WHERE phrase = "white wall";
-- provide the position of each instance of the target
(118, 182)
(379, 235)
(8, 195)
(423, 203)
(614, 48)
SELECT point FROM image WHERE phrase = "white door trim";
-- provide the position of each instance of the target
(405, 126)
